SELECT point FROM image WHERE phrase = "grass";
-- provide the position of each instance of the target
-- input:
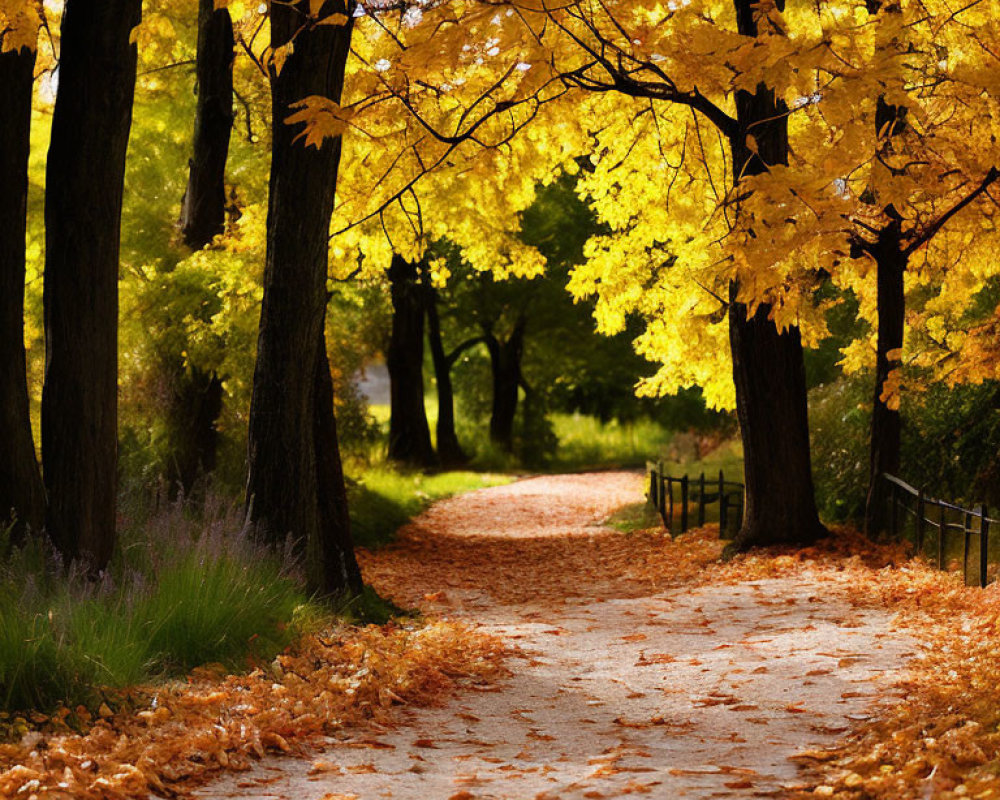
(184, 591)
(587, 443)
(382, 499)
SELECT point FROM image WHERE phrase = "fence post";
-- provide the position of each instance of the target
(684, 504)
(722, 512)
(941, 529)
(670, 500)
(894, 511)
(920, 522)
(701, 501)
(652, 488)
(967, 533)
(984, 542)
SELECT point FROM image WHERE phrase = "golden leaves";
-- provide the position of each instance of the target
(321, 119)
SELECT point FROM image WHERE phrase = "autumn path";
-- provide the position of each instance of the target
(632, 675)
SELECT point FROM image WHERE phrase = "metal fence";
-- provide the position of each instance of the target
(675, 498)
(947, 527)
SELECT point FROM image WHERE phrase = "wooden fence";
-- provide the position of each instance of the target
(673, 498)
(915, 515)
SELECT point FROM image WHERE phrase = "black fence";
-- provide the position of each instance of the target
(675, 499)
(942, 531)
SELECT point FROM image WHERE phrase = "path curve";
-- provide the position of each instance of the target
(623, 684)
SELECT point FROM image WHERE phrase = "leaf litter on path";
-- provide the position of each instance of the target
(639, 670)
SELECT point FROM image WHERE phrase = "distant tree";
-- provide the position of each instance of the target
(296, 486)
(409, 433)
(83, 202)
(203, 212)
(21, 488)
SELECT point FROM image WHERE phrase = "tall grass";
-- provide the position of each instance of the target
(184, 590)
(587, 443)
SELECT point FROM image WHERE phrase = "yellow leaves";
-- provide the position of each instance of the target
(19, 25)
(280, 55)
(321, 119)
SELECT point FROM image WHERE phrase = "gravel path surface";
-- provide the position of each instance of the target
(618, 687)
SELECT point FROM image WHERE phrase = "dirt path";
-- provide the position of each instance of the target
(630, 678)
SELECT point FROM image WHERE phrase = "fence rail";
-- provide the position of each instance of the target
(913, 513)
(673, 498)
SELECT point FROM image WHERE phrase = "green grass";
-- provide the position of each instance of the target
(382, 499)
(184, 590)
(634, 517)
(587, 443)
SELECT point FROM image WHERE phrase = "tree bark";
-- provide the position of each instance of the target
(22, 496)
(83, 201)
(195, 405)
(291, 474)
(449, 449)
(768, 366)
(332, 565)
(505, 360)
(886, 430)
(409, 433)
(203, 211)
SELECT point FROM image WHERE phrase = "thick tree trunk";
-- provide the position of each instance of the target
(203, 211)
(409, 433)
(293, 488)
(505, 361)
(21, 494)
(886, 430)
(449, 450)
(83, 201)
(768, 366)
(771, 406)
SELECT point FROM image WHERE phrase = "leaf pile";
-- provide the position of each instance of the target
(346, 677)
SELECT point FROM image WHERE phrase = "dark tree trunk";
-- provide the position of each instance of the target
(21, 494)
(409, 433)
(768, 366)
(449, 450)
(884, 455)
(83, 201)
(195, 406)
(332, 564)
(203, 211)
(289, 485)
(505, 361)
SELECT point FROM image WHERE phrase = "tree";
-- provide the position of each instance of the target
(83, 201)
(409, 433)
(295, 486)
(21, 490)
(203, 212)
(196, 399)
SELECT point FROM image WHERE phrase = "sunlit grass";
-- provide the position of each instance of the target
(384, 499)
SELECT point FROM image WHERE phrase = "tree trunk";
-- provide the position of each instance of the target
(886, 430)
(768, 366)
(290, 479)
(203, 211)
(195, 405)
(332, 564)
(449, 450)
(505, 360)
(83, 200)
(409, 433)
(771, 406)
(21, 494)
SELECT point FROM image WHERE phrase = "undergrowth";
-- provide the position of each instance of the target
(184, 590)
